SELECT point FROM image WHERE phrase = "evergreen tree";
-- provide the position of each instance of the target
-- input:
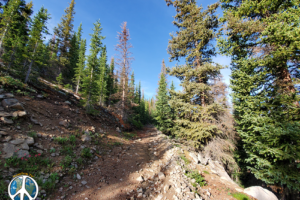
(35, 44)
(103, 77)
(64, 33)
(162, 106)
(74, 51)
(111, 81)
(90, 86)
(80, 65)
(131, 87)
(197, 112)
(262, 38)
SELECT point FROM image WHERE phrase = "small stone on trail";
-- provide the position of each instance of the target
(78, 176)
(83, 182)
(140, 179)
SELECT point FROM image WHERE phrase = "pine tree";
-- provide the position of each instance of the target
(35, 44)
(103, 77)
(131, 87)
(197, 114)
(111, 81)
(80, 65)
(264, 82)
(64, 33)
(90, 86)
(162, 107)
(74, 50)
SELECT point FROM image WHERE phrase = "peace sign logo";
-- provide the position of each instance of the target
(23, 188)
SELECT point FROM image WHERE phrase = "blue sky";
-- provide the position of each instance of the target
(149, 23)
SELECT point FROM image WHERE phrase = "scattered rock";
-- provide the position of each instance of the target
(118, 130)
(17, 141)
(9, 149)
(29, 141)
(39, 151)
(86, 138)
(17, 106)
(68, 102)
(5, 114)
(140, 179)
(3, 133)
(53, 154)
(161, 176)
(40, 96)
(7, 139)
(64, 123)
(83, 182)
(24, 146)
(22, 153)
(6, 121)
(9, 95)
(78, 176)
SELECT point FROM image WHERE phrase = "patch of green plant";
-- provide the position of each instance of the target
(49, 185)
(239, 196)
(185, 159)
(67, 150)
(32, 134)
(3, 190)
(86, 152)
(66, 162)
(129, 136)
(117, 144)
(52, 150)
(68, 86)
(198, 177)
(72, 139)
(79, 161)
(30, 126)
(45, 94)
(30, 164)
(177, 145)
(205, 172)
(61, 140)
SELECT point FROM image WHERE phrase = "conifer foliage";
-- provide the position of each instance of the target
(262, 38)
(197, 112)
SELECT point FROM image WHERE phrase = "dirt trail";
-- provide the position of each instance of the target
(146, 168)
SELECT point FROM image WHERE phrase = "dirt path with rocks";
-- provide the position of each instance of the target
(146, 168)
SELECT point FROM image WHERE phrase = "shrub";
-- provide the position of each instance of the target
(86, 152)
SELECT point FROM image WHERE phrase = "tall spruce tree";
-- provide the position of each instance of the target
(64, 33)
(197, 114)
(80, 65)
(111, 81)
(163, 111)
(103, 77)
(90, 86)
(262, 38)
(35, 44)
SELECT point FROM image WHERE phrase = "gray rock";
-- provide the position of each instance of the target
(9, 149)
(53, 154)
(39, 151)
(24, 146)
(68, 102)
(83, 182)
(6, 103)
(34, 120)
(194, 157)
(86, 138)
(29, 141)
(39, 146)
(21, 113)
(78, 176)
(1, 108)
(260, 193)
(64, 123)
(7, 139)
(5, 114)
(17, 106)
(6, 121)
(9, 95)
(40, 96)
(3, 133)
(17, 141)
(161, 176)
(203, 159)
(22, 153)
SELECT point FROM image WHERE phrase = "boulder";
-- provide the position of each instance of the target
(8, 102)
(3, 133)
(24, 146)
(260, 193)
(29, 141)
(9, 95)
(17, 141)
(220, 171)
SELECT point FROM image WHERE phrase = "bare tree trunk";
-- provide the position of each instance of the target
(29, 68)
(77, 87)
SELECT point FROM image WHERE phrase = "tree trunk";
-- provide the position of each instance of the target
(29, 68)
(77, 87)
(11, 58)
(286, 78)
